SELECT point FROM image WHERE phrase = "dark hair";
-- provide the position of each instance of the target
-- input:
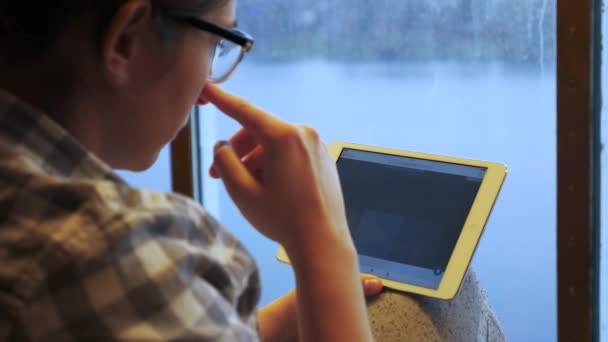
(29, 28)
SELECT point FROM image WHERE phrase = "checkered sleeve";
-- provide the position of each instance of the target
(169, 277)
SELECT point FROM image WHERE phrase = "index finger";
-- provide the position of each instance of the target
(249, 116)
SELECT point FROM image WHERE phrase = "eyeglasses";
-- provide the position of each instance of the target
(228, 52)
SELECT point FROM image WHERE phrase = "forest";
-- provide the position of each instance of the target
(511, 31)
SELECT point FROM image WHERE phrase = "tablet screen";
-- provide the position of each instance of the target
(406, 214)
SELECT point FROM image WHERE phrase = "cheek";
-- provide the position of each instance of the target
(185, 84)
(194, 70)
(194, 79)
(198, 80)
(191, 78)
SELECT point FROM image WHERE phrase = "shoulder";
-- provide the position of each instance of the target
(126, 256)
(56, 224)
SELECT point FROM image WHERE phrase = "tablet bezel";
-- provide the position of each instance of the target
(473, 227)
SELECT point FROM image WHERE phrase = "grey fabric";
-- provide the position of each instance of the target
(468, 317)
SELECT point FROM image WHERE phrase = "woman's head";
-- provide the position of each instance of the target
(120, 75)
(28, 29)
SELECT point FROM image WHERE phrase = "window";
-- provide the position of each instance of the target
(157, 178)
(468, 78)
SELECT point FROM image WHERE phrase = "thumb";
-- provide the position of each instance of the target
(239, 182)
(371, 285)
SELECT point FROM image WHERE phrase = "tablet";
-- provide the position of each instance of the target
(415, 218)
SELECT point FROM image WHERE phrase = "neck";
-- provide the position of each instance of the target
(48, 90)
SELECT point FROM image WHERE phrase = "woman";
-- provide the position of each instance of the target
(89, 86)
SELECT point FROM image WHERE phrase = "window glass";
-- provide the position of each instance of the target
(466, 78)
(157, 178)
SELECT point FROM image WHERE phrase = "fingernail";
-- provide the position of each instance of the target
(372, 283)
(213, 172)
(202, 100)
(221, 144)
(208, 86)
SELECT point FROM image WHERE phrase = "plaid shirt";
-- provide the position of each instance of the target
(83, 256)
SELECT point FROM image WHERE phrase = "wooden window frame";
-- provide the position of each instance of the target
(578, 168)
(186, 154)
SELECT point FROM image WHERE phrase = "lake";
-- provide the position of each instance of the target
(480, 111)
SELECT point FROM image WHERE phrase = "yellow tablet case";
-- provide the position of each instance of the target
(472, 229)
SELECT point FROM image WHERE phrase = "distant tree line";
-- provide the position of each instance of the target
(514, 31)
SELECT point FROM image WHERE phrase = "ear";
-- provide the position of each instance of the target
(124, 38)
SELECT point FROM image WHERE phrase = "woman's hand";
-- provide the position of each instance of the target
(296, 200)
(280, 176)
(278, 320)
